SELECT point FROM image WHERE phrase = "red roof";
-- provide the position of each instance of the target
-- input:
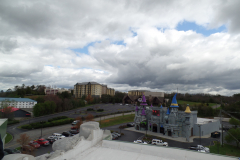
(13, 109)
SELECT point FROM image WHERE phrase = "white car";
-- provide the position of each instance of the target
(119, 135)
(140, 141)
(120, 104)
(159, 142)
(126, 104)
(58, 135)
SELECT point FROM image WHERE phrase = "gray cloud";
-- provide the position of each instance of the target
(37, 38)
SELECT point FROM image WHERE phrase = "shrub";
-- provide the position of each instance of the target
(100, 110)
(122, 134)
(57, 118)
(14, 121)
(47, 124)
(90, 109)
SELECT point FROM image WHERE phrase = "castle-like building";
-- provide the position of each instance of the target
(169, 121)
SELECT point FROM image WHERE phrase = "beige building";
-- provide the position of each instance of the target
(146, 93)
(91, 88)
(137, 92)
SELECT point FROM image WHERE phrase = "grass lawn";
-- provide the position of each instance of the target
(192, 103)
(228, 150)
(8, 138)
(117, 120)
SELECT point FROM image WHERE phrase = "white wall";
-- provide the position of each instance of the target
(163, 152)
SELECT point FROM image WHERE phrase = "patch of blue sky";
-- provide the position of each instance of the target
(133, 32)
(186, 26)
(83, 50)
(49, 65)
(119, 43)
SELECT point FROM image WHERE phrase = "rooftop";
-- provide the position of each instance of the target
(16, 99)
(205, 120)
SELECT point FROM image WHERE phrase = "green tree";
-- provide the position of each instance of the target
(233, 136)
(234, 121)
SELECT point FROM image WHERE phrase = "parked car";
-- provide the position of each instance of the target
(5, 153)
(42, 141)
(11, 151)
(58, 135)
(74, 128)
(140, 141)
(114, 136)
(75, 122)
(119, 135)
(159, 142)
(34, 144)
(52, 139)
(199, 147)
(67, 134)
(120, 104)
(74, 132)
(126, 104)
(28, 148)
(130, 124)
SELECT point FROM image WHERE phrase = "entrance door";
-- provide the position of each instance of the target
(169, 133)
(161, 130)
(154, 129)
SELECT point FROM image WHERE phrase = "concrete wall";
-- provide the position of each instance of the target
(206, 128)
(163, 152)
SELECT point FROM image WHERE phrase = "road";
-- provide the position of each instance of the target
(108, 108)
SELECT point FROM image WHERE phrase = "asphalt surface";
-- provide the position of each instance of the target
(108, 108)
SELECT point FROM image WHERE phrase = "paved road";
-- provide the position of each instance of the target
(108, 108)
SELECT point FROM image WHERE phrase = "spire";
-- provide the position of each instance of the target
(143, 112)
(144, 103)
(136, 108)
(187, 109)
(174, 101)
(161, 106)
(168, 111)
(151, 105)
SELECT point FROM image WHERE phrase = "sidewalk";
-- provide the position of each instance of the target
(179, 139)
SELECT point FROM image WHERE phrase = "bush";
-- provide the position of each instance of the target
(100, 110)
(57, 118)
(14, 121)
(47, 124)
(90, 109)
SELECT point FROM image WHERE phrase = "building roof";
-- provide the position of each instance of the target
(17, 99)
(85, 83)
(139, 91)
(13, 109)
(174, 103)
(205, 120)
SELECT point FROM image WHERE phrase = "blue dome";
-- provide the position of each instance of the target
(174, 101)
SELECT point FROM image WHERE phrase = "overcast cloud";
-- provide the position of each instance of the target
(124, 44)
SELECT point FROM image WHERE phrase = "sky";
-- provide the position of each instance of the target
(156, 45)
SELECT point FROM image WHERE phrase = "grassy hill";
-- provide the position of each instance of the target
(193, 103)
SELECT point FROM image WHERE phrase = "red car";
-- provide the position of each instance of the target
(42, 141)
(34, 144)
(74, 128)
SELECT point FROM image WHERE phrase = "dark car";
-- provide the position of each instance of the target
(28, 148)
(130, 124)
(52, 139)
(74, 132)
(67, 134)
(11, 151)
(5, 153)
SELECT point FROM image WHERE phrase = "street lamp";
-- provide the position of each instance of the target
(200, 133)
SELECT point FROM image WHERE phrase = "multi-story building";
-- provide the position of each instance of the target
(54, 91)
(91, 88)
(146, 93)
(17, 102)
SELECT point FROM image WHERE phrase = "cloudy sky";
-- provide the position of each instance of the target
(139, 44)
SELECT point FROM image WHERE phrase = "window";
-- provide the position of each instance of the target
(156, 112)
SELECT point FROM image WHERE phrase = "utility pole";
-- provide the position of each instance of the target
(222, 125)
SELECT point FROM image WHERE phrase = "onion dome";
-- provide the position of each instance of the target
(144, 103)
(151, 105)
(187, 109)
(174, 103)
